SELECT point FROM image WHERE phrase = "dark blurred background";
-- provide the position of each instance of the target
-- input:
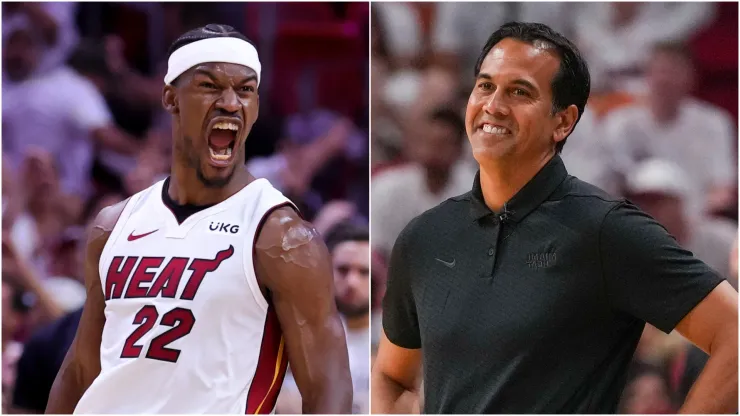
(660, 128)
(83, 127)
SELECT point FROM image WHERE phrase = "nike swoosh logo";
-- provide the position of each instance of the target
(448, 264)
(133, 237)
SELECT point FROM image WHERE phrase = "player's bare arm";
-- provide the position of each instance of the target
(395, 379)
(82, 363)
(712, 326)
(294, 266)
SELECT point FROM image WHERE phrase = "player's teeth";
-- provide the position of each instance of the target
(223, 125)
(223, 154)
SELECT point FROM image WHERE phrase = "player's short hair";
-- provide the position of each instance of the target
(206, 32)
(346, 231)
(572, 83)
(450, 118)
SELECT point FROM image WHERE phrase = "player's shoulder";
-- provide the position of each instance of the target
(281, 224)
(108, 216)
(101, 228)
(285, 241)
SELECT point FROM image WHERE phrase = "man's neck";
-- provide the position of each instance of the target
(358, 322)
(501, 181)
(186, 188)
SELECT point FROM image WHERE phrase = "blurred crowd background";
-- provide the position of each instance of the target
(83, 127)
(660, 128)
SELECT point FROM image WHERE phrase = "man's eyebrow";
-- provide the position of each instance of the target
(518, 81)
(524, 83)
(205, 72)
(248, 78)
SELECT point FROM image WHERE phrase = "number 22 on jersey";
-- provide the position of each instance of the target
(180, 320)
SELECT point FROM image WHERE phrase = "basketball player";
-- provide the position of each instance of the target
(201, 286)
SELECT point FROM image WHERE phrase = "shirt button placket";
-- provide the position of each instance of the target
(492, 251)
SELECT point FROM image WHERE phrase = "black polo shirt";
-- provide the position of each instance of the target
(537, 309)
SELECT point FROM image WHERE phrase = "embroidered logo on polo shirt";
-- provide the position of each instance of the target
(447, 263)
(541, 260)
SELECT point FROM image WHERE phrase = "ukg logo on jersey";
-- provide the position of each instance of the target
(222, 227)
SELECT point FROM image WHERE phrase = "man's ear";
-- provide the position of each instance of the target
(169, 99)
(566, 121)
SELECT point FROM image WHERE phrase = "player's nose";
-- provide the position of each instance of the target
(229, 101)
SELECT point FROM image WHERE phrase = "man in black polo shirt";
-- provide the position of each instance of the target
(529, 293)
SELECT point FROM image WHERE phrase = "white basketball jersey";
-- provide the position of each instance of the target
(187, 328)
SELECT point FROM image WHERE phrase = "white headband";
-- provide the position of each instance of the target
(222, 49)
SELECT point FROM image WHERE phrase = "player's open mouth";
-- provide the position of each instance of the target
(221, 141)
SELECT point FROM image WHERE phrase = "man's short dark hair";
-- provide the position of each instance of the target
(206, 32)
(451, 118)
(572, 83)
(346, 231)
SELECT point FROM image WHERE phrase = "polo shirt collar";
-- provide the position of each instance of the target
(531, 196)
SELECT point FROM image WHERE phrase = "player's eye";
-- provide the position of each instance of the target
(521, 92)
(485, 86)
(247, 88)
(208, 85)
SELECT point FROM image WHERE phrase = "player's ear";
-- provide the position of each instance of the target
(169, 99)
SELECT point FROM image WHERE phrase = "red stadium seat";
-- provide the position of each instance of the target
(716, 59)
(329, 56)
